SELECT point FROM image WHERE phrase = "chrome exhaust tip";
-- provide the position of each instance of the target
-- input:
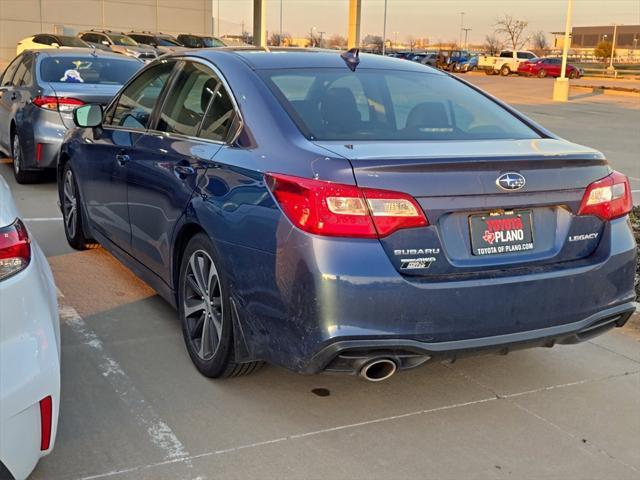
(378, 370)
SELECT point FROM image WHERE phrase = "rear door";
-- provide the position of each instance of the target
(103, 168)
(167, 163)
(7, 98)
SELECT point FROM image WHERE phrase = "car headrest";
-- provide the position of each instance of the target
(339, 110)
(428, 115)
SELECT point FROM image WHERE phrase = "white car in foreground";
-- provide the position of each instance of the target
(29, 346)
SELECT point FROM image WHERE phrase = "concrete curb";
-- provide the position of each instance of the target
(605, 90)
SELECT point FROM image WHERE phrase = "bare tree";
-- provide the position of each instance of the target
(540, 43)
(373, 40)
(513, 30)
(492, 44)
(411, 41)
(276, 40)
(337, 41)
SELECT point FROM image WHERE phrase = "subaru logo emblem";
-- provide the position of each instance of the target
(510, 181)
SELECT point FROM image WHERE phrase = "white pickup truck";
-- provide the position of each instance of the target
(504, 64)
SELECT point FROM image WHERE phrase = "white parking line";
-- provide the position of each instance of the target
(313, 433)
(43, 219)
(160, 434)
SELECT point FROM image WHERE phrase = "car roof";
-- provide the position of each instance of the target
(280, 58)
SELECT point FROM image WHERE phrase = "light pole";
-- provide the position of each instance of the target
(613, 49)
(466, 34)
(384, 30)
(312, 39)
(280, 41)
(461, 27)
(561, 85)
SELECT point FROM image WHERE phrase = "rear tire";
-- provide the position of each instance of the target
(573, 74)
(542, 73)
(72, 211)
(489, 72)
(505, 71)
(22, 176)
(204, 307)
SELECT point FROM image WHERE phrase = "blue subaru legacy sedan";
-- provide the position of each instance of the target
(331, 212)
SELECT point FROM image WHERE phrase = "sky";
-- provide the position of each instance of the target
(438, 20)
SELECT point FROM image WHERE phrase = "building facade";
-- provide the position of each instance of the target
(22, 18)
(585, 39)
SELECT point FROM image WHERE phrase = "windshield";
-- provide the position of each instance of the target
(103, 71)
(168, 42)
(212, 42)
(337, 104)
(124, 40)
(71, 42)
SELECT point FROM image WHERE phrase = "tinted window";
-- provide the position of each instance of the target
(10, 71)
(219, 116)
(506, 54)
(135, 104)
(184, 108)
(23, 73)
(88, 69)
(43, 39)
(91, 37)
(392, 105)
(167, 42)
(212, 42)
(146, 39)
(525, 55)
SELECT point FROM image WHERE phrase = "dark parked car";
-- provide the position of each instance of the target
(352, 214)
(199, 41)
(547, 67)
(161, 42)
(118, 43)
(38, 92)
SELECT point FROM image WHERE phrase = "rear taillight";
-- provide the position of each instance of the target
(63, 104)
(46, 418)
(337, 210)
(15, 249)
(607, 198)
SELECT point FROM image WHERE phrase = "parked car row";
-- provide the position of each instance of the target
(354, 265)
(525, 63)
(460, 61)
(143, 45)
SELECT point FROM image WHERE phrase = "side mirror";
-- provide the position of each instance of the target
(88, 116)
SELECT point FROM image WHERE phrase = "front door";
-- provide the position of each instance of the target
(8, 96)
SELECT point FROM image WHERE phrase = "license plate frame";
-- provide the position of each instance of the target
(504, 232)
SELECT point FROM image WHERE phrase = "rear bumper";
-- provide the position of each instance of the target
(46, 130)
(348, 356)
(318, 296)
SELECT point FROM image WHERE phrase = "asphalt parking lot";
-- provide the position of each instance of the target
(133, 406)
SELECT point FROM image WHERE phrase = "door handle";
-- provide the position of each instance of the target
(122, 159)
(183, 171)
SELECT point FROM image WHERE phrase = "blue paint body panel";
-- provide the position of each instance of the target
(301, 299)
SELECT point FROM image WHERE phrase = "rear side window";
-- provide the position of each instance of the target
(23, 74)
(89, 69)
(184, 108)
(133, 108)
(391, 105)
(525, 55)
(219, 116)
(506, 54)
(9, 73)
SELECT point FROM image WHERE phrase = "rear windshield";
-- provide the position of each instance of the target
(80, 69)
(337, 104)
(167, 42)
(212, 42)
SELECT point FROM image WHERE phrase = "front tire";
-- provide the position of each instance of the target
(205, 312)
(505, 71)
(542, 73)
(21, 175)
(573, 74)
(72, 211)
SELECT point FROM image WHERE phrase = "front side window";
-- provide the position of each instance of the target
(133, 108)
(390, 105)
(506, 54)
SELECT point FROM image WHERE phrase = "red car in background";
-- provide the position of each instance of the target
(551, 67)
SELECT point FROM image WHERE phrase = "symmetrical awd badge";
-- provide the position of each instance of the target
(510, 181)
